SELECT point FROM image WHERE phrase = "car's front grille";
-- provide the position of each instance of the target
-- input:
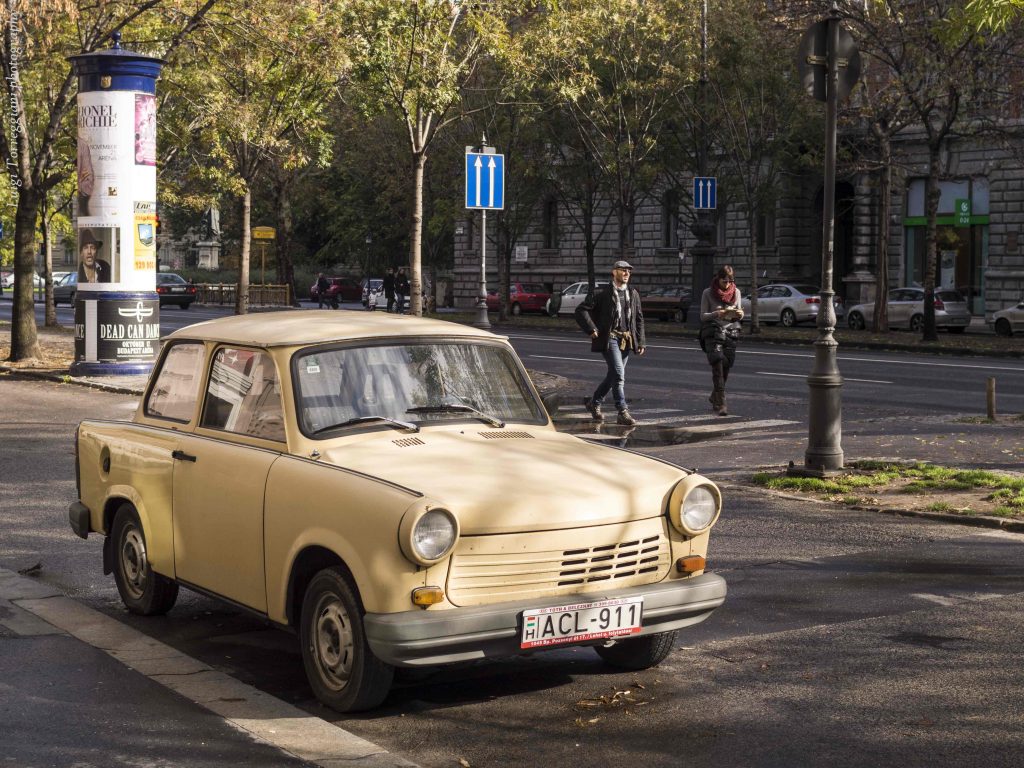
(519, 566)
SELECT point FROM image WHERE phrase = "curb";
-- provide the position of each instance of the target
(66, 378)
(980, 521)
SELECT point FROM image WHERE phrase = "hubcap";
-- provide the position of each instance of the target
(333, 645)
(133, 562)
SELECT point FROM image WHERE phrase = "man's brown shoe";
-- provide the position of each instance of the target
(594, 408)
(625, 419)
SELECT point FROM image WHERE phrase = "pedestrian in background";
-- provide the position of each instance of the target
(321, 290)
(615, 321)
(401, 289)
(720, 316)
(389, 287)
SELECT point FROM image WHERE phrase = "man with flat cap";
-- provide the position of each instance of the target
(91, 269)
(615, 322)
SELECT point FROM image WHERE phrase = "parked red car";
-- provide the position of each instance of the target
(340, 289)
(523, 297)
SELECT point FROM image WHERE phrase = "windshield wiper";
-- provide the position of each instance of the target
(458, 409)
(369, 420)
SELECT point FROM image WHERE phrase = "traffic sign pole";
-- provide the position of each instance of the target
(485, 190)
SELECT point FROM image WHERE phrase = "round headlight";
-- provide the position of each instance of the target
(699, 509)
(434, 535)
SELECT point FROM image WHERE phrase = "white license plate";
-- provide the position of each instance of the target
(581, 621)
(177, 289)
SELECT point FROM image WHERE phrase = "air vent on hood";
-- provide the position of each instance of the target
(506, 435)
(408, 442)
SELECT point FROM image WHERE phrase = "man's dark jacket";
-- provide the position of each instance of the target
(597, 313)
(402, 285)
(102, 272)
(389, 286)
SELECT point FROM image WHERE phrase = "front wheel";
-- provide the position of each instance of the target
(142, 590)
(788, 318)
(855, 321)
(917, 323)
(516, 310)
(639, 653)
(1003, 327)
(341, 668)
(679, 316)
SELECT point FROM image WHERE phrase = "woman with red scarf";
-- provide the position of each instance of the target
(720, 316)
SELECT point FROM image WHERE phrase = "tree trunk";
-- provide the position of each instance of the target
(881, 313)
(504, 269)
(285, 266)
(590, 245)
(242, 294)
(416, 239)
(755, 323)
(24, 337)
(933, 194)
(50, 309)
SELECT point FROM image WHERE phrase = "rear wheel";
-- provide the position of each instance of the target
(142, 590)
(917, 323)
(679, 316)
(1003, 327)
(788, 318)
(855, 321)
(341, 668)
(639, 653)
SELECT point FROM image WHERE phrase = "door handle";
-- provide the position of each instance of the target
(182, 456)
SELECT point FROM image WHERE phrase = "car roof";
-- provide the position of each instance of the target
(302, 327)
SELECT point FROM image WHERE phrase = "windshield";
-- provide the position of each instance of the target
(414, 383)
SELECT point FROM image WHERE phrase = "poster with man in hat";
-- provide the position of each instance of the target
(91, 268)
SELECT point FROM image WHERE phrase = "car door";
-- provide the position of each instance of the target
(1017, 318)
(898, 308)
(571, 298)
(220, 474)
(767, 306)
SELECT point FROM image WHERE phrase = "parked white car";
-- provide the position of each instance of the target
(906, 310)
(789, 304)
(571, 297)
(1009, 321)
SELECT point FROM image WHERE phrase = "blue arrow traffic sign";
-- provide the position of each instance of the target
(705, 193)
(485, 181)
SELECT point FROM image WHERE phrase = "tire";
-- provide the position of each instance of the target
(639, 653)
(917, 323)
(186, 305)
(956, 329)
(1003, 327)
(142, 590)
(788, 318)
(855, 321)
(341, 669)
(678, 316)
(516, 310)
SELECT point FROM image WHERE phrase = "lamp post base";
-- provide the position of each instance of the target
(481, 320)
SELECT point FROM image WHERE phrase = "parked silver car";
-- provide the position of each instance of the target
(789, 304)
(906, 310)
(65, 288)
(565, 303)
(1009, 321)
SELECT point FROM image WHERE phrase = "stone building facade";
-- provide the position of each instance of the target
(981, 241)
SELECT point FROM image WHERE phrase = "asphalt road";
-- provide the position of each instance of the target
(847, 639)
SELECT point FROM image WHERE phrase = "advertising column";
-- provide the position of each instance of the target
(117, 309)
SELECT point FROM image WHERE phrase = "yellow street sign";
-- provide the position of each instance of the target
(263, 233)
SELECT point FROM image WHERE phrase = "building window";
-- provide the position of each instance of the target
(670, 219)
(551, 237)
(765, 229)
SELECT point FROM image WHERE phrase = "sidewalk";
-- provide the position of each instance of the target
(86, 689)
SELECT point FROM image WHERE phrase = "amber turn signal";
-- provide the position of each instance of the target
(424, 596)
(690, 564)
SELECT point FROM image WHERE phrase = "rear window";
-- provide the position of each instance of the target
(176, 388)
(169, 278)
(953, 296)
(808, 290)
(532, 288)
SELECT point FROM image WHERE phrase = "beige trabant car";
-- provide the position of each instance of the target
(392, 489)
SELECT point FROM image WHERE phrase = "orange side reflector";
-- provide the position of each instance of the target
(424, 596)
(690, 564)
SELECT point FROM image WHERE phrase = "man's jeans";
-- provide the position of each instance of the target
(615, 380)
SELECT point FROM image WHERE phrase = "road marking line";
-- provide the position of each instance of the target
(841, 358)
(265, 717)
(804, 376)
(577, 359)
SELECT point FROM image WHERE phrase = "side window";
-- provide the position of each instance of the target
(176, 389)
(244, 394)
(783, 291)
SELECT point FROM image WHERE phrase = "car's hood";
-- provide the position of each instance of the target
(515, 480)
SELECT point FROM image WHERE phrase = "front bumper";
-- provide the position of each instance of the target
(78, 518)
(420, 638)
